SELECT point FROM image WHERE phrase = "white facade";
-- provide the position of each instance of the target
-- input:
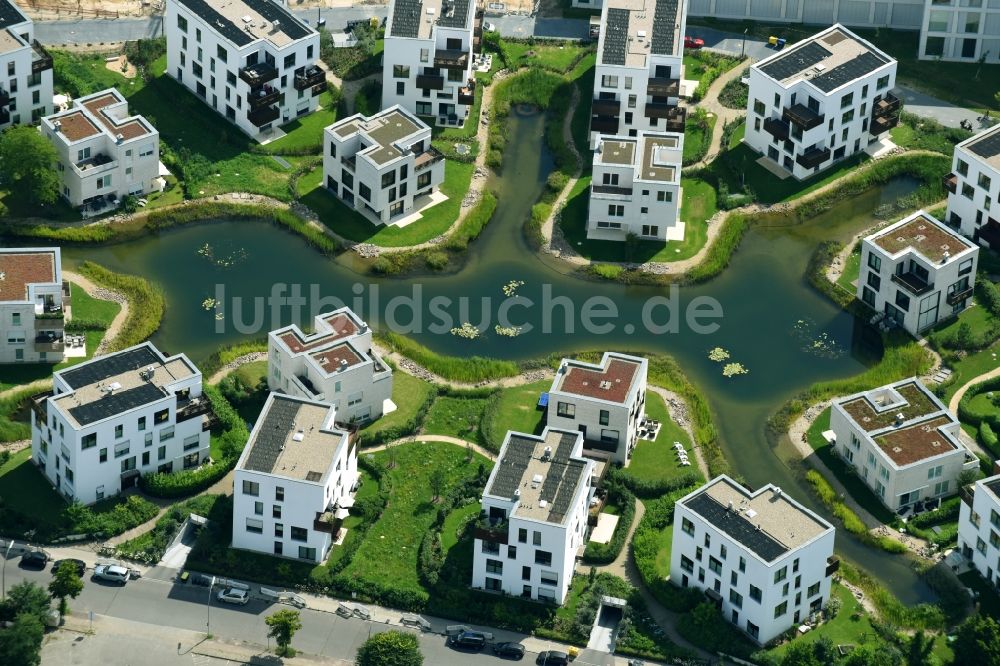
(26, 90)
(636, 188)
(902, 442)
(112, 418)
(383, 166)
(640, 63)
(917, 272)
(427, 61)
(605, 402)
(979, 528)
(252, 61)
(961, 30)
(294, 480)
(820, 101)
(761, 557)
(104, 153)
(973, 185)
(33, 305)
(335, 364)
(534, 516)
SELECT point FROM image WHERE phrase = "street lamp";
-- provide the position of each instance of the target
(3, 573)
(743, 49)
(208, 607)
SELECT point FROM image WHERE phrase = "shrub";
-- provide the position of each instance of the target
(474, 223)
(607, 271)
(462, 369)
(621, 496)
(734, 95)
(987, 436)
(146, 304)
(436, 260)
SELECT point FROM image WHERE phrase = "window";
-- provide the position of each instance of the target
(755, 593)
(715, 566)
(255, 526)
(306, 553)
(735, 598)
(566, 410)
(722, 551)
(941, 487)
(874, 281)
(511, 552)
(536, 538)
(103, 456)
(492, 584)
(543, 557)
(610, 179)
(525, 573)
(299, 534)
(902, 300)
(251, 488)
(609, 436)
(279, 530)
(965, 267)
(781, 609)
(258, 508)
(119, 431)
(191, 443)
(935, 472)
(388, 179)
(522, 535)
(365, 192)
(781, 574)
(549, 578)
(882, 83)
(494, 566)
(687, 527)
(847, 100)
(276, 511)
(687, 564)
(279, 494)
(743, 564)
(758, 107)
(734, 578)
(121, 449)
(665, 196)
(400, 71)
(88, 441)
(967, 191)
(609, 81)
(813, 590)
(103, 181)
(650, 230)
(142, 423)
(161, 416)
(616, 210)
(182, 23)
(874, 262)
(425, 55)
(604, 417)
(161, 453)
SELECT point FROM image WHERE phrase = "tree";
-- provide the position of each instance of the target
(918, 650)
(21, 643)
(390, 648)
(65, 583)
(27, 161)
(436, 481)
(800, 654)
(881, 654)
(978, 642)
(25, 597)
(284, 624)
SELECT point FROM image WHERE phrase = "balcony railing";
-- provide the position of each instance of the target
(606, 107)
(350, 162)
(67, 294)
(426, 159)
(467, 93)
(959, 296)
(258, 74)
(49, 343)
(309, 78)
(677, 119)
(662, 86)
(776, 128)
(611, 189)
(832, 565)
(430, 81)
(327, 523)
(263, 96)
(40, 58)
(658, 109)
(97, 164)
(319, 89)
(967, 494)
(451, 58)
(882, 124)
(802, 116)
(887, 105)
(264, 115)
(603, 124)
(492, 534)
(194, 408)
(912, 282)
(950, 183)
(813, 157)
(48, 321)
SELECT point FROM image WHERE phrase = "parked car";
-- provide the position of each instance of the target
(80, 565)
(693, 42)
(489, 27)
(111, 573)
(509, 650)
(233, 595)
(552, 658)
(467, 640)
(36, 559)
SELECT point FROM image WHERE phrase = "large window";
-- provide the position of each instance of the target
(755, 593)
(494, 566)
(543, 557)
(299, 534)
(255, 526)
(88, 441)
(604, 417)
(687, 527)
(400, 71)
(566, 410)
(251, 488)
(306, 553)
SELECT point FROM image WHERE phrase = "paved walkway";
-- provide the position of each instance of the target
(424, 437)
(723, 114)
(955, 399)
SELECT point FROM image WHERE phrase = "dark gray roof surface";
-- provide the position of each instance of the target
(987, 147)
(405, 18)
(736, 526)
(796, 61)
(271, 435)
(561, 479)
(615, 37)
(664, 20)
(116, 403)
(10, 14)
(271, 11)
(853, 69)
(110, 366)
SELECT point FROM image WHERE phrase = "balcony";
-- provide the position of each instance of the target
(350, 162)
(950, 183)
(802, 116)
(663, 87)
(264, 115)
(311, 77)
(467, 94)
(494, 534)
(39, 402)
(812, 158)
(319, 89)
(832, 565)
(263, 96)
(959, 296)
(677, 119)
(258, 74)
(451, 58)
(50, 342)
(882, 124)
(97, 164)
(776, 128)
(4, 97)
(427, 159)
(606, 107)
(604, 124)
(327, 522)
(40, 58)
(430, 81)
(887, 105)
(67, 296)
(967, 494)
(611, 190)
(194, 408)
(655, 110)
(912, 283)
(48, 321)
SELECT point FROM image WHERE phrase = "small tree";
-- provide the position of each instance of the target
(390, 648)
(21, 643)
(283, 625)
(436, 482)
(65, 583)
(27, 162)
(25, 597)
(919, 650)
(390, 454)
(978, 642)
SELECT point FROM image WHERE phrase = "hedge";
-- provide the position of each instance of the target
(652, 489)
(368, 438)
(646, 544)
(620, 495)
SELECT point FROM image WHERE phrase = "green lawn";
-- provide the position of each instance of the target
(389, 552)
(665, 540)
(303, 133)
(697, 139)
(354, 226)
(843, 629)
(86, 307)
(409, 393)
(516, 409)
(24, 489)
(698, 205)
(737, 136)
(849, 276)
(657, 461)
(458, 417)
(556, 57)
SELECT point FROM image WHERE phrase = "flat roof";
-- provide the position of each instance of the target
(767, 522)
(917, 441)
(338, 356)
(985, 145)
(101, 105)
(417, 18)
(294, 439)
(618, 151)
(341, 325)
(383, 131)
(661, 157)
(924, 234)
(828, 60)
(879, 408)
(10, 41)
(634, 29)
(75, 125)
(610, 380)
(11, 14)
(993, 485)
(244, 21)
(545, 485)
(119, 382)
(20, 269)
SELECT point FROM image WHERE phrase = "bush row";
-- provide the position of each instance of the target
(411, 426)
(145, 301)
(851, 521)
(150, 546)
(618, 495)
(460, 369)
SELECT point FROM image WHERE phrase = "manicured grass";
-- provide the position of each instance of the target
(556, 57)
(515, 409)
(87, 308)
(698, 205)
(665, 539)
(737, 136)
(455, 520)
(24, 489)
(657, 461)
(843, 629)
(409, 393)
(307, 131)
(389, 552)
(354, 226)
(849, 276)
(457, 417)
(697, 139)
(17, 204)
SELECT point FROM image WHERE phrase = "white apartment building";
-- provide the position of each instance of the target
(112, 418)
(427, 61)
(902, 442)
(917, 272)
(104, 153)
(979, 527)
(973, 185)
(961, 30)
(33, 305)
(534, 516)
(820, 101)
(26, 90)
(294, 480)
(764, 559)
(603, 401)
(636, 188)
(640, 64)
(382, 166)
(335, 364)
(252, 61)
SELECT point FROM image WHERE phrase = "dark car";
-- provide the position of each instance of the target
(35, 558)
(509, 650)
(79, 565)
(467, 640)
(552, 658)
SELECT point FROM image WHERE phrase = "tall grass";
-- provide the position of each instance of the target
(12, 429)
(851, 521)
(229, 353)
(145, 303)
(469, 369)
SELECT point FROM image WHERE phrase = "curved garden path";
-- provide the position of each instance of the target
(960, 393)
(723, 114)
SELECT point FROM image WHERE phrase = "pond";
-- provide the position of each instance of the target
(770, 316)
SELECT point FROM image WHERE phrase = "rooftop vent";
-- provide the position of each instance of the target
(896, 449)
(430, 11)
(900, 418)
(57, 125)
(537, 478)
(517, 494)
(777, 491)
(547, 454)
(605, 385)
(299, 436)
(819, 68)
(641, 34)
(945, 256)
(542, 504)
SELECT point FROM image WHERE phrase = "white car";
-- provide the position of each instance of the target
(233, 595)
(111, 573)
(489, 27)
